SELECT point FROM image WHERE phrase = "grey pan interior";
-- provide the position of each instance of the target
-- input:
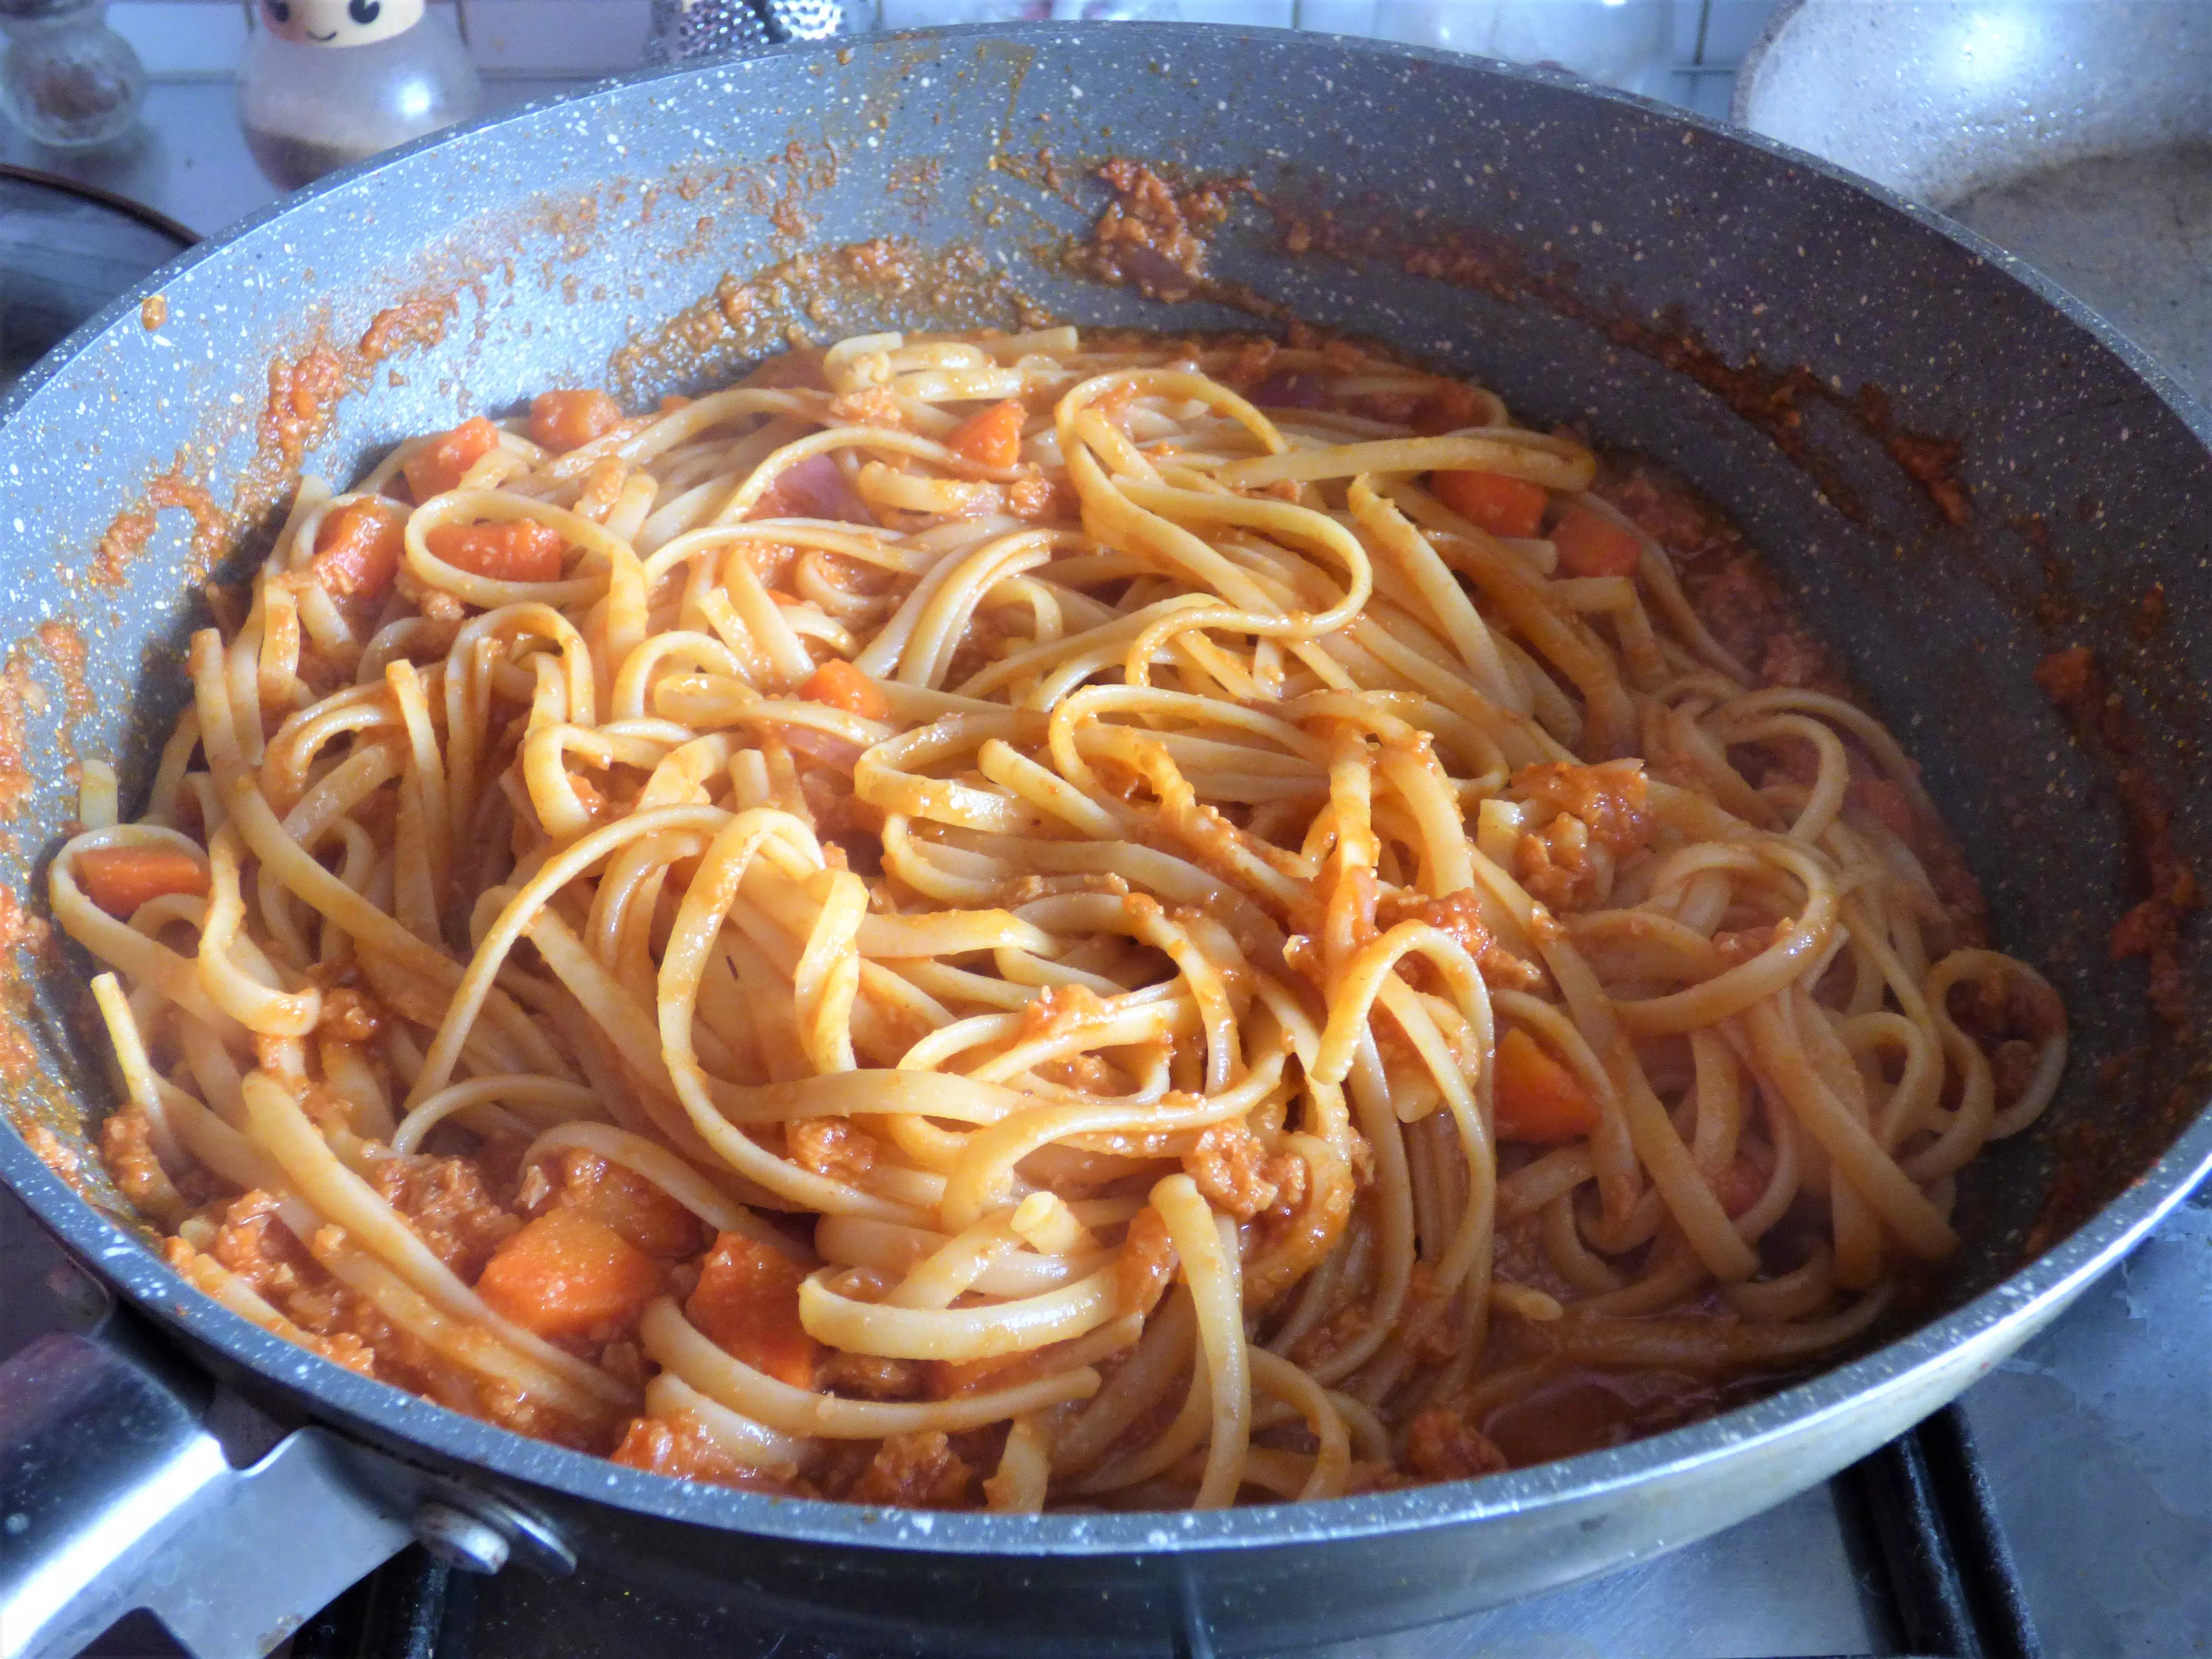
(569, 231)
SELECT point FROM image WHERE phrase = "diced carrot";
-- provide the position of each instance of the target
(567, 1275)
(1537, 1097)
(840, 685)
(1493, 502)
(519, 550)
(118, 880)
(645, 1215)
(439, 464)
(993, 438)
(570, 420)
(358, 550)
(748, 1302)
(1591, 545)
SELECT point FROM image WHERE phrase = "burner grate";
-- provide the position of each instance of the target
(1926, 1498)
(1943, 1581)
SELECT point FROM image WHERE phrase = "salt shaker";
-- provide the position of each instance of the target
(68, 79)
(327, 82)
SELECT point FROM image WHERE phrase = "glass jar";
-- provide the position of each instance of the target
(68, 79)
(317, 93)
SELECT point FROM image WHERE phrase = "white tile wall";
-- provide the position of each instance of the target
(537, 37)
(1337, 16)
(1732, 25)
(1252, 14)
(921, 13)
(181, 40)
(182, 36)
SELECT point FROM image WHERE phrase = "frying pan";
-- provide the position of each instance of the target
(1714, 302)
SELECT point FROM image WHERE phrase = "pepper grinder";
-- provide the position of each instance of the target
(68, 79)
(327, 82)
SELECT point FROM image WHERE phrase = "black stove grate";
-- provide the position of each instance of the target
(1926, 1500)
(1921, 1506)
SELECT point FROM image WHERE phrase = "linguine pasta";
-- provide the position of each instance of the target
(1040, 921)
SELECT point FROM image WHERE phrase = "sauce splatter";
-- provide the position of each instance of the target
(153, 312)
(304, 387)
(18, 927)
(123, 540)
(1152, 236)
(413, 325)
(2076, 681)
(57, 1154)
(129, 532)
(20, 697)
(302, 390)
(65, 648)
(839, 289)
(1930, 462)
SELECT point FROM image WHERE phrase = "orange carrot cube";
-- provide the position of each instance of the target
(567, 1275)
(1535, 1096)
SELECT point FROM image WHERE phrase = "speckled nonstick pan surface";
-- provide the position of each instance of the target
(1624, 264)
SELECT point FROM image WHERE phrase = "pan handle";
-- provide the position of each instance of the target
(129, 1479)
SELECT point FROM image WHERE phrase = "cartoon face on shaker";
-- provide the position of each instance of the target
(339, 22)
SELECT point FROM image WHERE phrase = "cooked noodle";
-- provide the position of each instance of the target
(1198, 1000)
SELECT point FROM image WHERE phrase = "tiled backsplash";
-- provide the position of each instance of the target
(555, 37)
(175, 38)
(190, 39)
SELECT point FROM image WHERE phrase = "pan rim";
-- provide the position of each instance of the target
(389, 1413)
(349, 1401)
(2194, 415)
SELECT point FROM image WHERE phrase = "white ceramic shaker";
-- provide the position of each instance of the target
(326, 83)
